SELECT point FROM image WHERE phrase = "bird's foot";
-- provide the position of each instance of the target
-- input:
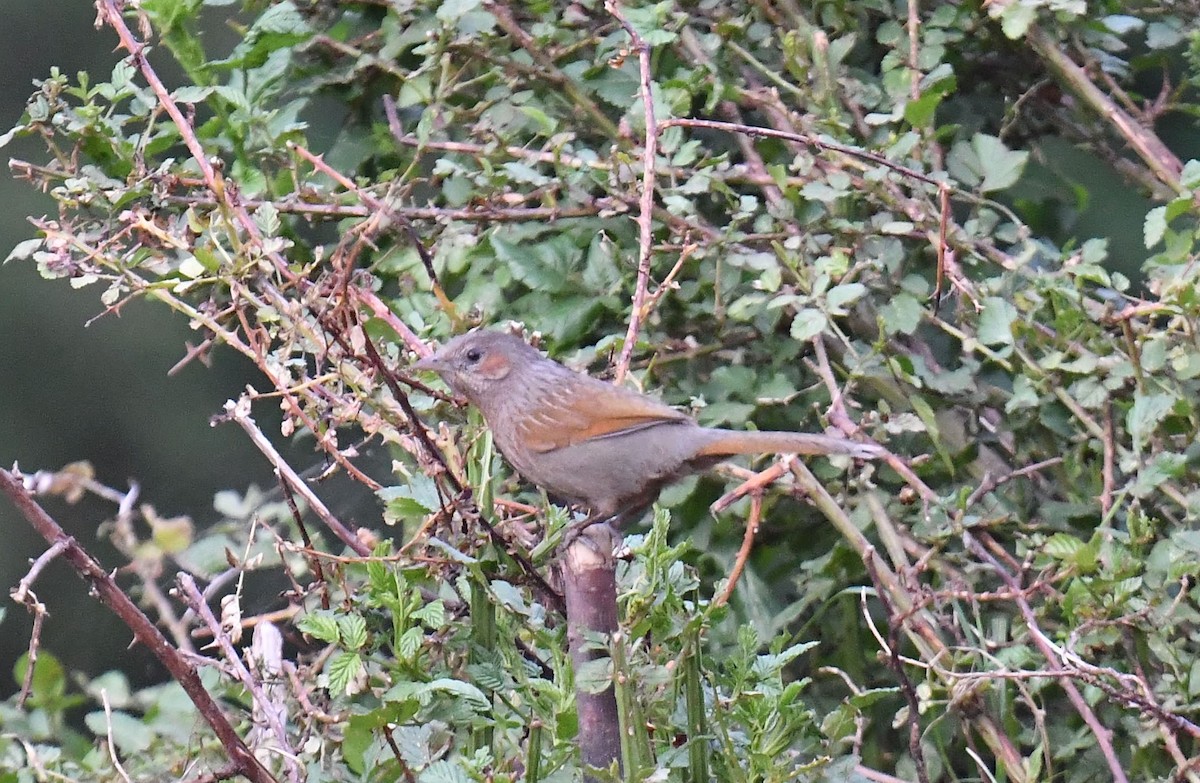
(596, 531)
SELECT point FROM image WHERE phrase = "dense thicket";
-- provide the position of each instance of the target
(853, 217)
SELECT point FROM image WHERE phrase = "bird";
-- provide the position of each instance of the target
(604, 447)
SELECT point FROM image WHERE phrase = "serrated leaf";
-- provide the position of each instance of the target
(474, 698)
(353, 629)
(266, 217)
(1025, 395)
(864, 699)
(449, 11)
(432, 614)
(1001, 166)
(1063, 546)
(442, 771)
(770, 664)
(410, 643)
(1163, 35)
(408, 501)
(986, 163)
(595, 675)
(344, 668)
(1015, 18)
(839, 723)
(320, 626)
(1190, 179)
(920, 113)
(902, 314)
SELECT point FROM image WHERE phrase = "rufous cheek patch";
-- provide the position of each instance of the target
(495, 366)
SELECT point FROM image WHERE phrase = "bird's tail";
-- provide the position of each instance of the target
(728, 442)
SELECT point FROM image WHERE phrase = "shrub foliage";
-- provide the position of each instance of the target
(829, 216)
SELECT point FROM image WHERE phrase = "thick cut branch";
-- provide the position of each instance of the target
(590, 589)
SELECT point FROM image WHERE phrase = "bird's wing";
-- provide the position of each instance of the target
(590, 410)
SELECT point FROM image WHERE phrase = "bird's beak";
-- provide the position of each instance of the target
(431, 363)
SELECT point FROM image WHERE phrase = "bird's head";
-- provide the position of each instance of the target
(481, 364)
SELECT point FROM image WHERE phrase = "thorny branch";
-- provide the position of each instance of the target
(645, 218)
(112, 596)
(906, 606)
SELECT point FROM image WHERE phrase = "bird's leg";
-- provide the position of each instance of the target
(577, 528)
(629, 513)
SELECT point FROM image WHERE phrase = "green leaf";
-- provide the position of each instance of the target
(474, 698)
(595, 675)
(1163, 35)
(410, 643)
(320, 625)
(191, 268)
(49, 678)
(1190, 178)
(920, 113)
(344, 668)
(413, 500)
(24, 250)
(996, 321)
(444, 772)
(131, 735)
(1063, 546)
(1015, 18)
(1154, 227)
(986, 163)
(353, 629)
(902, 314)
(927, 416)
(1147, 413)
(840, 723)
(841, 295)
(433, 614)
(807, 324)
(648, 20)
(266, 217)
(449, 11)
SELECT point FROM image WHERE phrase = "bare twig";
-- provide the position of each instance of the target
(989, 483)
(807, 140)
(112, 745)
(1107, 471)
(840, 419)
(548, 69)
(143, 630)
(1156, 155)
(743, 555)
(239, 413)
(892, 650)
(645, 219)
(919, 626)
(269, 708)
(23, 594)
(1102, 734)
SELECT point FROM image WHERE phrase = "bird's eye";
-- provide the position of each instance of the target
(474, 355)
